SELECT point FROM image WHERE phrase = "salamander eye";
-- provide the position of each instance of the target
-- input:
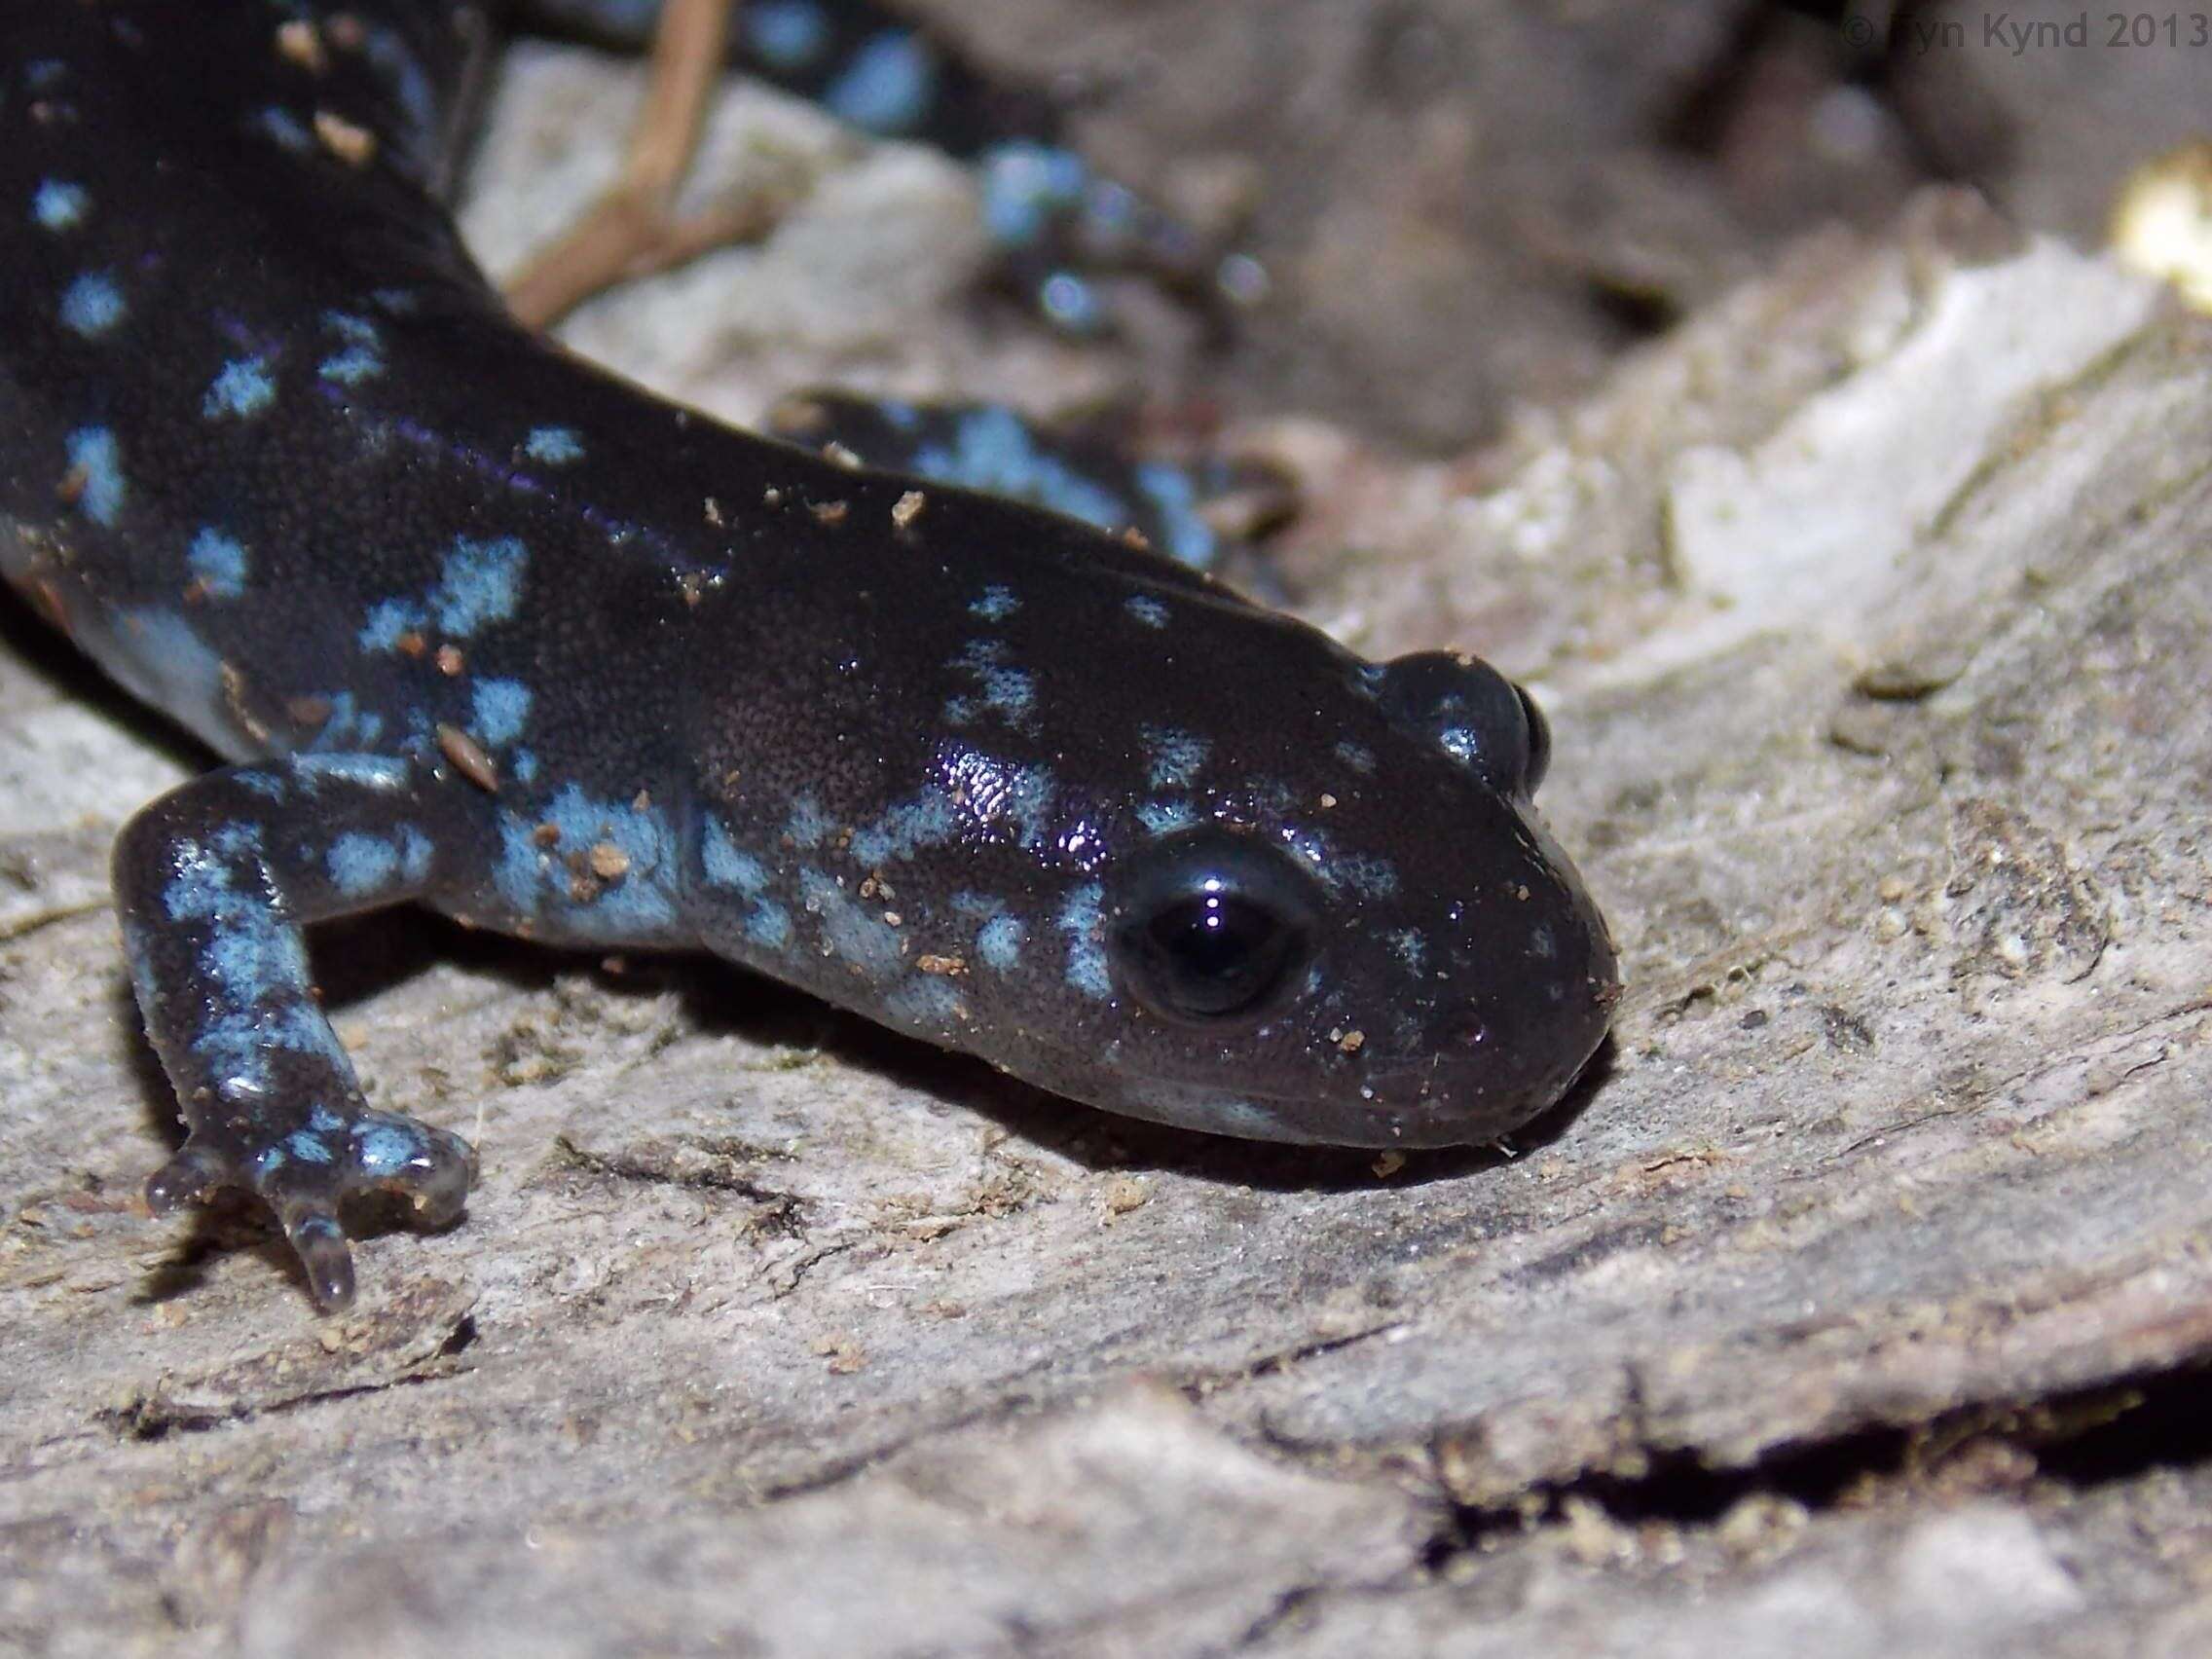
(1539, 741)
(1474, 713)
(1210, 927)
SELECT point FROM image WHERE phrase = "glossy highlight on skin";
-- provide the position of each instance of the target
(474, 625)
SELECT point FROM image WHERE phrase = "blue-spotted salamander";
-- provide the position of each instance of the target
(476, 625)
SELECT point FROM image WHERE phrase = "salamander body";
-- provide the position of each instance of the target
(475, 625)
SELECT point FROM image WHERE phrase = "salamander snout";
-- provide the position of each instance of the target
(1523, 1017)
(1473, 712)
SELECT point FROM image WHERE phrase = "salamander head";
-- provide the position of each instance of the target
(1395, 956)
(1192, 863)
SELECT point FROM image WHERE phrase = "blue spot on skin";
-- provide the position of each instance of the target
(786, 34)
(1368, 876)
(349, 726)
(929, 821)
(925, 1003)
(94, 460)
(92, 305)
(203, 887)
(501, 708)
(769, 926)
(353, 330)
(415, 851)
(526, 766)
(554, 446)
(243, 390)
(286, 128)
(360, 865)
(353, 366)
(1082, 919)
(1358, 757)
(1009, 692)
(1408, 948)
(727, 865)
(636, 907)
(299, 1029)
(999, 941)
(1176, 756)
(887, 87)
(1029, 803)
(995, 605)
(362, 360)
(43, 74)
(857, 938)
(482, 583)
(307, 1148)
(807, 826)
(1162, 817)
(217, 564)
(1150, 611)
(994, 449)
(390, 621)
(58, 206)
(1026, 185)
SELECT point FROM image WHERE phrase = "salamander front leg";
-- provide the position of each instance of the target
(215, 883)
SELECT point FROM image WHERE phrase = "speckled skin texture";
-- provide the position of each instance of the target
(481, 627)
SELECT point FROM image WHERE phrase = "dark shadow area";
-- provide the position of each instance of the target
(2081, 1439)
(763, 1011)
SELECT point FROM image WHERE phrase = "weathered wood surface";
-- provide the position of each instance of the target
(1854, 1308)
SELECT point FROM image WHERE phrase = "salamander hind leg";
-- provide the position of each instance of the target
(215, 883)
(1055, 224)
(1191, 510)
